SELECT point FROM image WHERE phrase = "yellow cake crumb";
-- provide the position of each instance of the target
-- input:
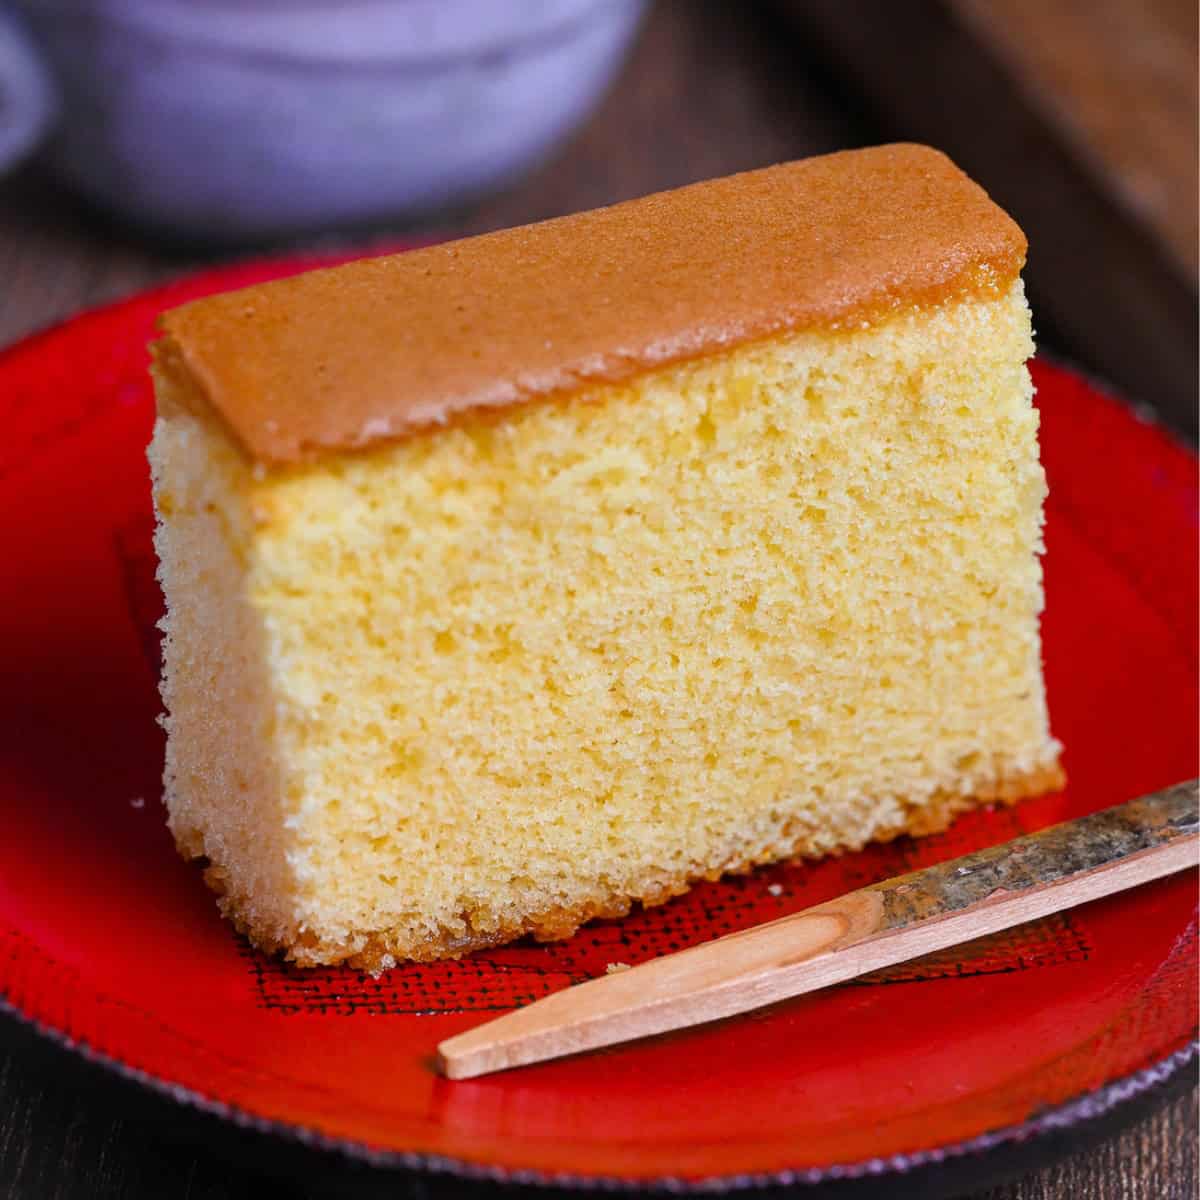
(528, 667)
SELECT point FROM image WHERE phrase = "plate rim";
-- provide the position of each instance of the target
(1087, 1106)
(1084, 1107)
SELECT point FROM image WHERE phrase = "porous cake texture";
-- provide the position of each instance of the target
(513, 581)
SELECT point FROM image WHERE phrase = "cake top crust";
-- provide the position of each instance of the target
(349, 356)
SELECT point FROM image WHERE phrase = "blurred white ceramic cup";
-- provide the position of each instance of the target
(235, 120)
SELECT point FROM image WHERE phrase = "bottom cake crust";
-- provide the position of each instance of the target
(377, 950)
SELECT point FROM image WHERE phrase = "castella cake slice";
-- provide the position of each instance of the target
(515, 580)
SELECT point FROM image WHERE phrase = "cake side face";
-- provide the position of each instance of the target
(379, 348)
(224, 784)
(536, 664)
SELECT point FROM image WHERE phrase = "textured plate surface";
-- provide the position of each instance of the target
(109, 940)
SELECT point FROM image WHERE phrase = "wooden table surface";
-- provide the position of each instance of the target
(711, 88)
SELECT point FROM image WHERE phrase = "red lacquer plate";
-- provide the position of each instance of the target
(110, 942)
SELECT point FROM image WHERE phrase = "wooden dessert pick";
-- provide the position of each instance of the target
(875, 927)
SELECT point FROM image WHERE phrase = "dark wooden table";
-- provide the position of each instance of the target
(712, 87)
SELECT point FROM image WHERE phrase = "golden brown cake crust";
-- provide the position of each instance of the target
(382, 949)
(345, 357)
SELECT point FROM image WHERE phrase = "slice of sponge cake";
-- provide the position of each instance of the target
(517, 579)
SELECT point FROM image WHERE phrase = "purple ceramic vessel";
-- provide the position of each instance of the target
(252, 119)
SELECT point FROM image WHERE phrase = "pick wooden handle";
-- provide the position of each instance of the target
(864, 931)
